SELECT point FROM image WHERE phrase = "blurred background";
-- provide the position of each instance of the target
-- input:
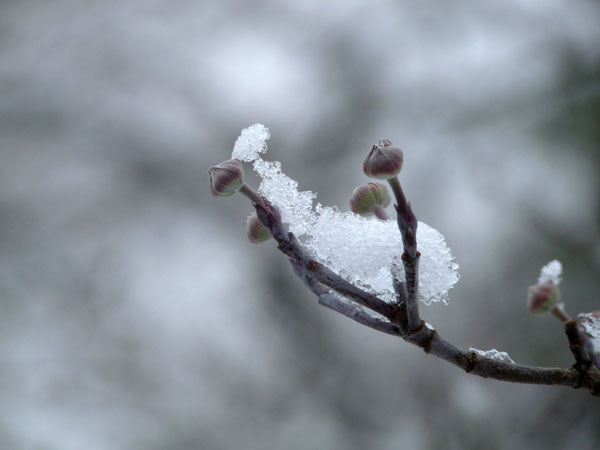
(134, 314)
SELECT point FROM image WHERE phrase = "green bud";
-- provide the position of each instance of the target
(383, 161)
(542, 298)
(256, 231)
(366, 198)
(226, 178)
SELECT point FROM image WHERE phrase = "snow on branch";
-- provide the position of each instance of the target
(362, 250)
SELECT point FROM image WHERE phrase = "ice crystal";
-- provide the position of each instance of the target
(493, 354)
(362, 250)
(295, 206)
(551, 272)
(251, 142)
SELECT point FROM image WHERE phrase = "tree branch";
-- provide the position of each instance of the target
(318, 278)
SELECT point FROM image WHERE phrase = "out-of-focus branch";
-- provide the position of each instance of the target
(578, 348)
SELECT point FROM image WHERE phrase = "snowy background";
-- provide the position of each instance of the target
(134, 314)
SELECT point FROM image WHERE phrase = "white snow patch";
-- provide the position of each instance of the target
(251, 142)
(493, 354)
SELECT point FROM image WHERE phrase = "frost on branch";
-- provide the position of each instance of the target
(362, 250)
(493, 354)
(295, 206)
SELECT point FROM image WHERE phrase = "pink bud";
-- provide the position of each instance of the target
(226, 178)
(256, 231)
(383, 161)
(366, 198)
(542, 298)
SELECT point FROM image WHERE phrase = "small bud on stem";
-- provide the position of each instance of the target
(383, 161)
(256, 231)
(226, 178)
(370, 199)
(544, 298)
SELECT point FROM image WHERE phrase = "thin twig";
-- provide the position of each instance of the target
(411, 270)
(340, 305)
(295, 251)
(407, 223)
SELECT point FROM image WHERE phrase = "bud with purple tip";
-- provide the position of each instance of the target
(226, 178)
(370, 199)
(256, 231)
(543, 298)
(384, 161)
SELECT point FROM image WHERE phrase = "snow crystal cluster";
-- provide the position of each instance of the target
(251, 142)
(551, 272)
(362, 250)
(493, 354)
(365, 251)
(295, 206)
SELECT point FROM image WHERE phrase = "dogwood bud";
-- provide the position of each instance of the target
(542, 298)
(226, 178)
(256, 231)
(384, 161)
(365, 199)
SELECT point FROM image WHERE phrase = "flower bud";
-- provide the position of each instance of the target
(542, 298)
(256, 231)
(384, 161)
(365, 198)
(226, 178)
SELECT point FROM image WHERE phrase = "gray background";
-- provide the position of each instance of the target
(134, 314)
